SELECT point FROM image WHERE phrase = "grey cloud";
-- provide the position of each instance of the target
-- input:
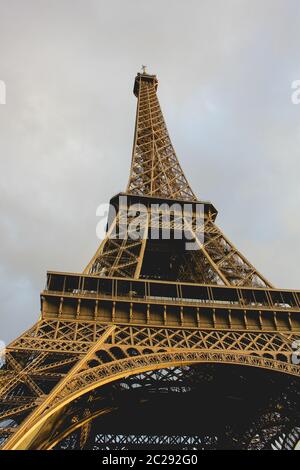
(225, 71)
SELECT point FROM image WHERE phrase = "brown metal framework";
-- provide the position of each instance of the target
(142, 305)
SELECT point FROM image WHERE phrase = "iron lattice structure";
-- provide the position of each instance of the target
(151, 328)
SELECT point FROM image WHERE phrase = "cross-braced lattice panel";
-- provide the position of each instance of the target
(155, 170)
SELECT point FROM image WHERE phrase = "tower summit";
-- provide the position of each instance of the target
(155, 169)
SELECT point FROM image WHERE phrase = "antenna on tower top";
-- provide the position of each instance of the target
(144, 68)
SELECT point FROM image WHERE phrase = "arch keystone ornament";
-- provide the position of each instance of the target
(167, 307)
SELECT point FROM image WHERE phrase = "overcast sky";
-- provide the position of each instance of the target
(225, 69)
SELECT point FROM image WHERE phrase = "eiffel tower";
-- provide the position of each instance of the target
(164, 341)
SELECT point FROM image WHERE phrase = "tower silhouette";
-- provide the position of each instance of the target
(170, 338)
